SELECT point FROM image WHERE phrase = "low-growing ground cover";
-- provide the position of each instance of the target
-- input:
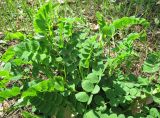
(73, 70)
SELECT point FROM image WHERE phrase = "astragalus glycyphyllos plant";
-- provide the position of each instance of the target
(67, 72)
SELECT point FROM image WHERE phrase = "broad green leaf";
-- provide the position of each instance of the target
(129, 84)
(44, 86)
(148, 116)
(91, 114)
(82, 97)
(152, 63)
(150, 68)
(113, 116)
(29, 92)
(43, 56)
(154, 112)
(4, 73)
(156, 98)
(121, 116)
(8, 55)
(143, 81)
(130, 117)
(153, 57)
(27, 50)
(48, 85)
(19, 62)
(132, 37)
(7, 66)
(42, 19)
(128, 98)
(87, 86)
(59, 59)
(128, 21)
(93, 78)
(96, 89)
(15, 36)
(104, 116)
(42, 22)
(8, 93)
(133, 91)
(25, 55)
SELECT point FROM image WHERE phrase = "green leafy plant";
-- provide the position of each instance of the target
(71, 71)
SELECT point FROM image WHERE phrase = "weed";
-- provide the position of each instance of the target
(71, 71)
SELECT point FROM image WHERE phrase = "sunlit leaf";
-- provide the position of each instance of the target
(82, 97)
